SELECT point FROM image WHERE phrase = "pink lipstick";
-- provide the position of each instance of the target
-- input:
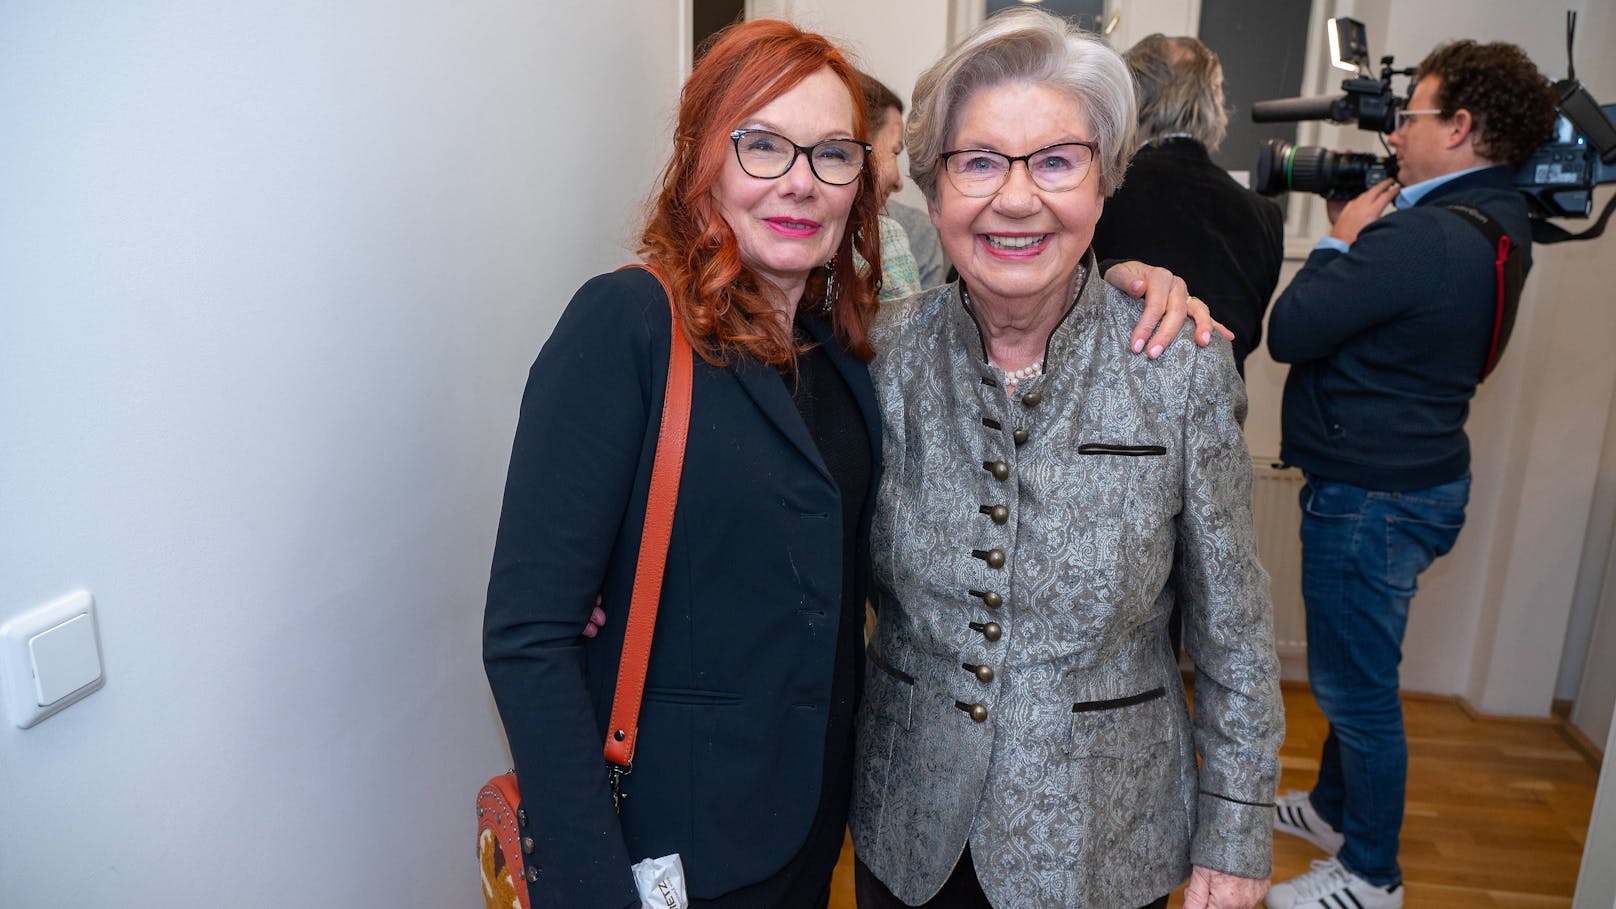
(796, 228)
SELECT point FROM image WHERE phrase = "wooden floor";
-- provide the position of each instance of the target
(1497, 809)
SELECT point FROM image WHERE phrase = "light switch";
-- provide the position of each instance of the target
(65, 659)
(50, 657)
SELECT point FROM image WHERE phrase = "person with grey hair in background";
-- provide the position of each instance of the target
(1180, 209)
(1024, 738)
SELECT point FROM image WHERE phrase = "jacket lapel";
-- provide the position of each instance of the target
(766, 389)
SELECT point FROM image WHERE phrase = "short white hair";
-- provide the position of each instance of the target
(1033, 47)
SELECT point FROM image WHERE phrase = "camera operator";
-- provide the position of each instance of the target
(1389, 327)
(1224, 240)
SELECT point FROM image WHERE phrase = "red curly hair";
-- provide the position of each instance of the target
(720, 299)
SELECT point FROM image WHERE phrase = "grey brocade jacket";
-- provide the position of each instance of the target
(1021, 697)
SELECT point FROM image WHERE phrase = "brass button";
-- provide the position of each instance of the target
(521, 816)
(1020, 435)
(992, 600)
(995, 558)
(532, 874)
(999, 514)
(979, 713)
(984, 674)
(527, 845)
(1031, 399)
(999, 469)
(992, 631)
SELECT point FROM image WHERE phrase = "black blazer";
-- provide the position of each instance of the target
(1178, 210)
(731, 745)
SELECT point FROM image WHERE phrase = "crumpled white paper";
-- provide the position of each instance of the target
(662, 883)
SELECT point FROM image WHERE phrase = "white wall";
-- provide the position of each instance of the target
(271, 275)
(1596, 879)
(1136, 19)
(1595, 694)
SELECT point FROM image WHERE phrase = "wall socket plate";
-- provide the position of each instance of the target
(50, 657)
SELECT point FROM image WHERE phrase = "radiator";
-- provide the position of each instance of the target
(1278, 520)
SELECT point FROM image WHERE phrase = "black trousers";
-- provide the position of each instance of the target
(961, 891)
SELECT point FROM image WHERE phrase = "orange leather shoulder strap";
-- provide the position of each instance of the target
(664, 495)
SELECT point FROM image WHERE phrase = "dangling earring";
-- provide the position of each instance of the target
(830, 284)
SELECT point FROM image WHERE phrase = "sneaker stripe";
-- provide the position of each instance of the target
(1355, 903)
(1293, 816)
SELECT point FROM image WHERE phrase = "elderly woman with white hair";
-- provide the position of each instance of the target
(1024, 739)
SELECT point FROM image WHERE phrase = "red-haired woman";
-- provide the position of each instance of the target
(744, 754)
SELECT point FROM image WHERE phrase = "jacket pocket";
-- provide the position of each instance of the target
(1329, 421)
(1128, 451)
(1128, 777)
(890, 691)
(1120, 727)
(701, 697)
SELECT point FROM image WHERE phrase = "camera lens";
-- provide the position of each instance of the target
(1272, 160)
(1283, 167)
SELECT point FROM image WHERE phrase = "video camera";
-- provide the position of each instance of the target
(1557, 180)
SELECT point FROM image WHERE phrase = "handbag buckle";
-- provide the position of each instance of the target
(614, 779)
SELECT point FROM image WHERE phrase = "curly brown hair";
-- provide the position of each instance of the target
(1510, 102)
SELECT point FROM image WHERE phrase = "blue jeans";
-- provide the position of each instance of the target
(1362, 552)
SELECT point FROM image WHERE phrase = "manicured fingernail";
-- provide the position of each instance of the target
(1138, 344)
(1155, 351)
(1206, 338)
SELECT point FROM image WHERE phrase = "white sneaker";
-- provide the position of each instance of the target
(1330, 886)
(1294, 814)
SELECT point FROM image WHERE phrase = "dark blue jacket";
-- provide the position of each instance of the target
(1386, 341)
(731, 745)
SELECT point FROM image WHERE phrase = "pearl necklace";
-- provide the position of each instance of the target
(1012, 377)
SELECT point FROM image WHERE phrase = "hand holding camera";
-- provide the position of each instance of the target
(1349, 216)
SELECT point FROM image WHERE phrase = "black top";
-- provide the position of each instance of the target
(831, 414)
(1178, 210)
(1386, 341)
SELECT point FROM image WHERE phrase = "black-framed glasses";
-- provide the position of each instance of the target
(977, 172)
(767, 155)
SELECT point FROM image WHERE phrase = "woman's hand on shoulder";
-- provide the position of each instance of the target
(1167, 304)
(1210, 889)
